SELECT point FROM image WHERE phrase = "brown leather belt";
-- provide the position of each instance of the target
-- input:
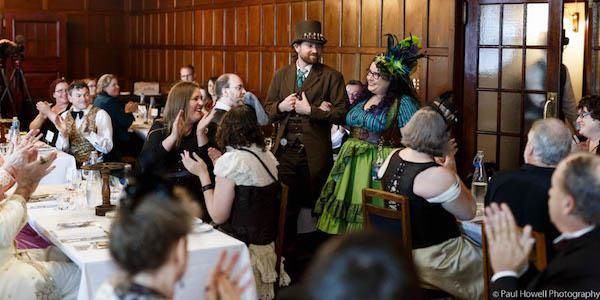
(365, 135)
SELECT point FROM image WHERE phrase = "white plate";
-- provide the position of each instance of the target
(200, 228)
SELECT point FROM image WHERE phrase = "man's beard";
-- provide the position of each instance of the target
(310, 59)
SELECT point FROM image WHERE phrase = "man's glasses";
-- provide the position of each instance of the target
(375, 75)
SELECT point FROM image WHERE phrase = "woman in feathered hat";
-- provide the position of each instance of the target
(386, 105)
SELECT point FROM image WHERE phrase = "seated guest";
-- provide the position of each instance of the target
(353, 88)
(588, 123)
(211, 85)
(231, 93)
(526, 190)
(574, 208)
(444, 258)
(83, 128)
(245, 197)
(208, 102)
(359, 266)
(92, 85)
(179, 130)
(121, 116)
(186, 73)
(26, 275)
(152, 261)
(49, 111)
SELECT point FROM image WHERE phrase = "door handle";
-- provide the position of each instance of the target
(550, 106)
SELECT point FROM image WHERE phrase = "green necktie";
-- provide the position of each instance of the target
(300, 77)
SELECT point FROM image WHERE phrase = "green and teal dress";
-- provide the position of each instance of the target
(340, 202)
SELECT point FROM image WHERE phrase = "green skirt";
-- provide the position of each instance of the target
(340, 202)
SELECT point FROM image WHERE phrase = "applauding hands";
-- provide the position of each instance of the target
(224, 283)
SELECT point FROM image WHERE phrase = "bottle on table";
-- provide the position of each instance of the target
(480, 182)
(14, 134)
(93, 184)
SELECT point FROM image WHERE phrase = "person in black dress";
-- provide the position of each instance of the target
(175, 132)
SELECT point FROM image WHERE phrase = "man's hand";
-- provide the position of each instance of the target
(302, 106)
(61, 126)
(325, 106)
(288, 104)
(131, 107)
(508, 247)
(28, 177)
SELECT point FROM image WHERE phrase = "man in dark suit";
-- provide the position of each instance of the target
(304, 99)
(526, 190)
(574, 208)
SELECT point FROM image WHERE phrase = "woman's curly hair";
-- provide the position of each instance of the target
(592, 103)
(239, 128)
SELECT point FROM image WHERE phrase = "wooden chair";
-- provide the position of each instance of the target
(372, 214)
(280, 233)
(537, 257)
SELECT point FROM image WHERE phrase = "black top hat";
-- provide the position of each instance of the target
(309, 31)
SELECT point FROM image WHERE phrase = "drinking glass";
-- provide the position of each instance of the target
(4, 148)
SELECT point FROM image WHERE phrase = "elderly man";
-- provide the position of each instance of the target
(230, 93)
(526, 190)
(186, 73)
(28, 275)
(574, 208)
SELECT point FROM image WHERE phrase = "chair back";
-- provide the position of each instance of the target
(280, 231)
(387, 219)
(537, 257)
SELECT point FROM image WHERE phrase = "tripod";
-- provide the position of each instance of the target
(18, 81)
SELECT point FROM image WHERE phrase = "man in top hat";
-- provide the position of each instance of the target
(304, 99)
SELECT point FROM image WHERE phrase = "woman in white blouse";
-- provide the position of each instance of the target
(27, 275)
(244, 199)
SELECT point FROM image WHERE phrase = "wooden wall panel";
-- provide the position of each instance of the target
(252, 37)
(350, 23)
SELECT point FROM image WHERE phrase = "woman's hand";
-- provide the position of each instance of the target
(24, 152)
(178, 127)
(223, 283)
(214, 154)
(204, 121)
(194, 164)
(43, 107)
(131, 107)
(32, 171)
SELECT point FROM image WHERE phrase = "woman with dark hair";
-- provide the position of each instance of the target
(179, 130)
(211, 88)
(121, 116)
(358, 266)
(588, 123)
(444, 258)
(47, 112)
(148, 241)
(386, 105)
(245, 197)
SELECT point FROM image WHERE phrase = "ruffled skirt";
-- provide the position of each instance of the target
(340, 202)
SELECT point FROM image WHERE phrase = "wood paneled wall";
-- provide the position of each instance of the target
(251, 37)
(96, 39)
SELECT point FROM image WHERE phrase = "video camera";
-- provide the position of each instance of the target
(13, 50)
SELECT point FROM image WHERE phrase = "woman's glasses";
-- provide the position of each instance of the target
(374, 75)
(584, 114)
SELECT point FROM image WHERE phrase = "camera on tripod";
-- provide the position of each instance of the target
(13, 50)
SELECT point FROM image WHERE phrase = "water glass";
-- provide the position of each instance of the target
(63, 201)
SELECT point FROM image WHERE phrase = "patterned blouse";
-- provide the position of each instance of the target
(358, 117)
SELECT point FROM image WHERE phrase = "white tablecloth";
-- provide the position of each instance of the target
(63, 163)
(96, 265)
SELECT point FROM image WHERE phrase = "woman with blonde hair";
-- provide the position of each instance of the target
(121, 115)
(177, 131)
(425, 172)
